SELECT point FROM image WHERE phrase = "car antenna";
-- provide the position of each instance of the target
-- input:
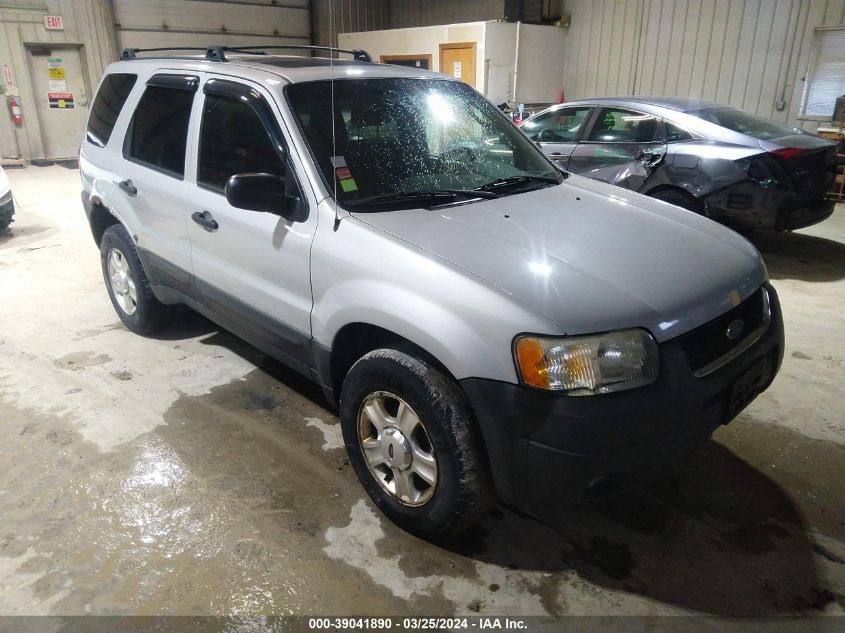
(334, 138)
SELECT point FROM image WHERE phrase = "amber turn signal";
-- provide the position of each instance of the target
(532, 363)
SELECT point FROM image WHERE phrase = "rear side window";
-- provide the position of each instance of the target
(158, 133)
(615, 125)
(107, 106)
(233, 141)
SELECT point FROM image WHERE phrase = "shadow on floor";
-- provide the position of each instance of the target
(800, 256)
(725, 540)
(190, 324)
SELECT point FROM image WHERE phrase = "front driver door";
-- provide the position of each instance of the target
(251, 268)
(557, 131)
(622, 147)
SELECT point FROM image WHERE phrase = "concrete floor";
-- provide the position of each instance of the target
(189, 474)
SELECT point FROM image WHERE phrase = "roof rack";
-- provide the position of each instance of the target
(218, 53)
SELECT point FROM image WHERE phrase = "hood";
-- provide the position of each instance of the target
(590, 256)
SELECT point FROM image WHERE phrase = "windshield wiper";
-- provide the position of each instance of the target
(518, 180)
(432, 197)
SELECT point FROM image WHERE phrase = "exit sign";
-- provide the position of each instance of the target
(54, 23)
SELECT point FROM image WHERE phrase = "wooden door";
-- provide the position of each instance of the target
(457, 60)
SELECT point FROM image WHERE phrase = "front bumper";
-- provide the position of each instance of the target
(546, 449)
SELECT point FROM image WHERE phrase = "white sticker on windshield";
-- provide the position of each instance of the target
(338, 161)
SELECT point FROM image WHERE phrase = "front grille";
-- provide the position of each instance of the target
(709, 343)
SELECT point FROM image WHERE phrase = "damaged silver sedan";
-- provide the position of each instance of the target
(739, 169)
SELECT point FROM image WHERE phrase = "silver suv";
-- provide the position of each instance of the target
(487, 325)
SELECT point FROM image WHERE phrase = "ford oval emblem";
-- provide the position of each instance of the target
(735, 329)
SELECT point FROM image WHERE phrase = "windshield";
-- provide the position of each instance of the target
(744, 123)
(404, 136)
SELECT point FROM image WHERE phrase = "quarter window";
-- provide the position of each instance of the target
(158, 133)
(233, 141)
(107, 106)
(558, 126)
(614, 125)
(674, 134)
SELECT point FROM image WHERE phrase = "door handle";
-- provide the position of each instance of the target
(205, 220)
(128, 187)
(557, 156)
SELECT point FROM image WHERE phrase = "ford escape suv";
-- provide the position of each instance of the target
(488, 325)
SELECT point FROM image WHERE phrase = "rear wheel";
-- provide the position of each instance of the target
(4, 223)
(679, 198)
(409, 434)
(128, 286)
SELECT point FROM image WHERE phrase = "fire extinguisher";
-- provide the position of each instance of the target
(15, 110)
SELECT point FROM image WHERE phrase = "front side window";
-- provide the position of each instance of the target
(107, 106)
(158, 133)
(615, 125)
(233, 141)
(558, 126)
(387, 136)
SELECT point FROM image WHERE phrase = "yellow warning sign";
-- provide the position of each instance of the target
(56, 73)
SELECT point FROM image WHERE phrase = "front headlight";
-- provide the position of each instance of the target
(586, 365)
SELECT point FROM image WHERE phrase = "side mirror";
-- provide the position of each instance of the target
(266, 193)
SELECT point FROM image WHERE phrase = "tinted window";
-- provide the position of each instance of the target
(159, 129)
(615, 125)
(409, 135)
(561, 125)
(107, 106)
(744, 123)
(233, 141)
(675, 134)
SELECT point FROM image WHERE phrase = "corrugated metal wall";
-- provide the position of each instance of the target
(86, 22)
(751, 54)
(353, 16)
(154, 23)
(347, 16)
(408, 13)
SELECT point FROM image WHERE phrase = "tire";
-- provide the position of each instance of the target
(679, 198)
(384, 380)
(4, 223)
(130, 294)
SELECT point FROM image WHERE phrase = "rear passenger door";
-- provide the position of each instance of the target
(252, 268)
(149, 177)
(557, 131)
(622, 147)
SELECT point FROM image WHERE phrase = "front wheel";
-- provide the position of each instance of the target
(410, 437)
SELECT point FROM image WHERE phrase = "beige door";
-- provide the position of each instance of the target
(458, 60)
(60, 91)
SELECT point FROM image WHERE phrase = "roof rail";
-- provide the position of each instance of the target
(218, 53)
(130, 53)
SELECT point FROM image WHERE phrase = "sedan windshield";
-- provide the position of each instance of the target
(406, 142)
(744, 123)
